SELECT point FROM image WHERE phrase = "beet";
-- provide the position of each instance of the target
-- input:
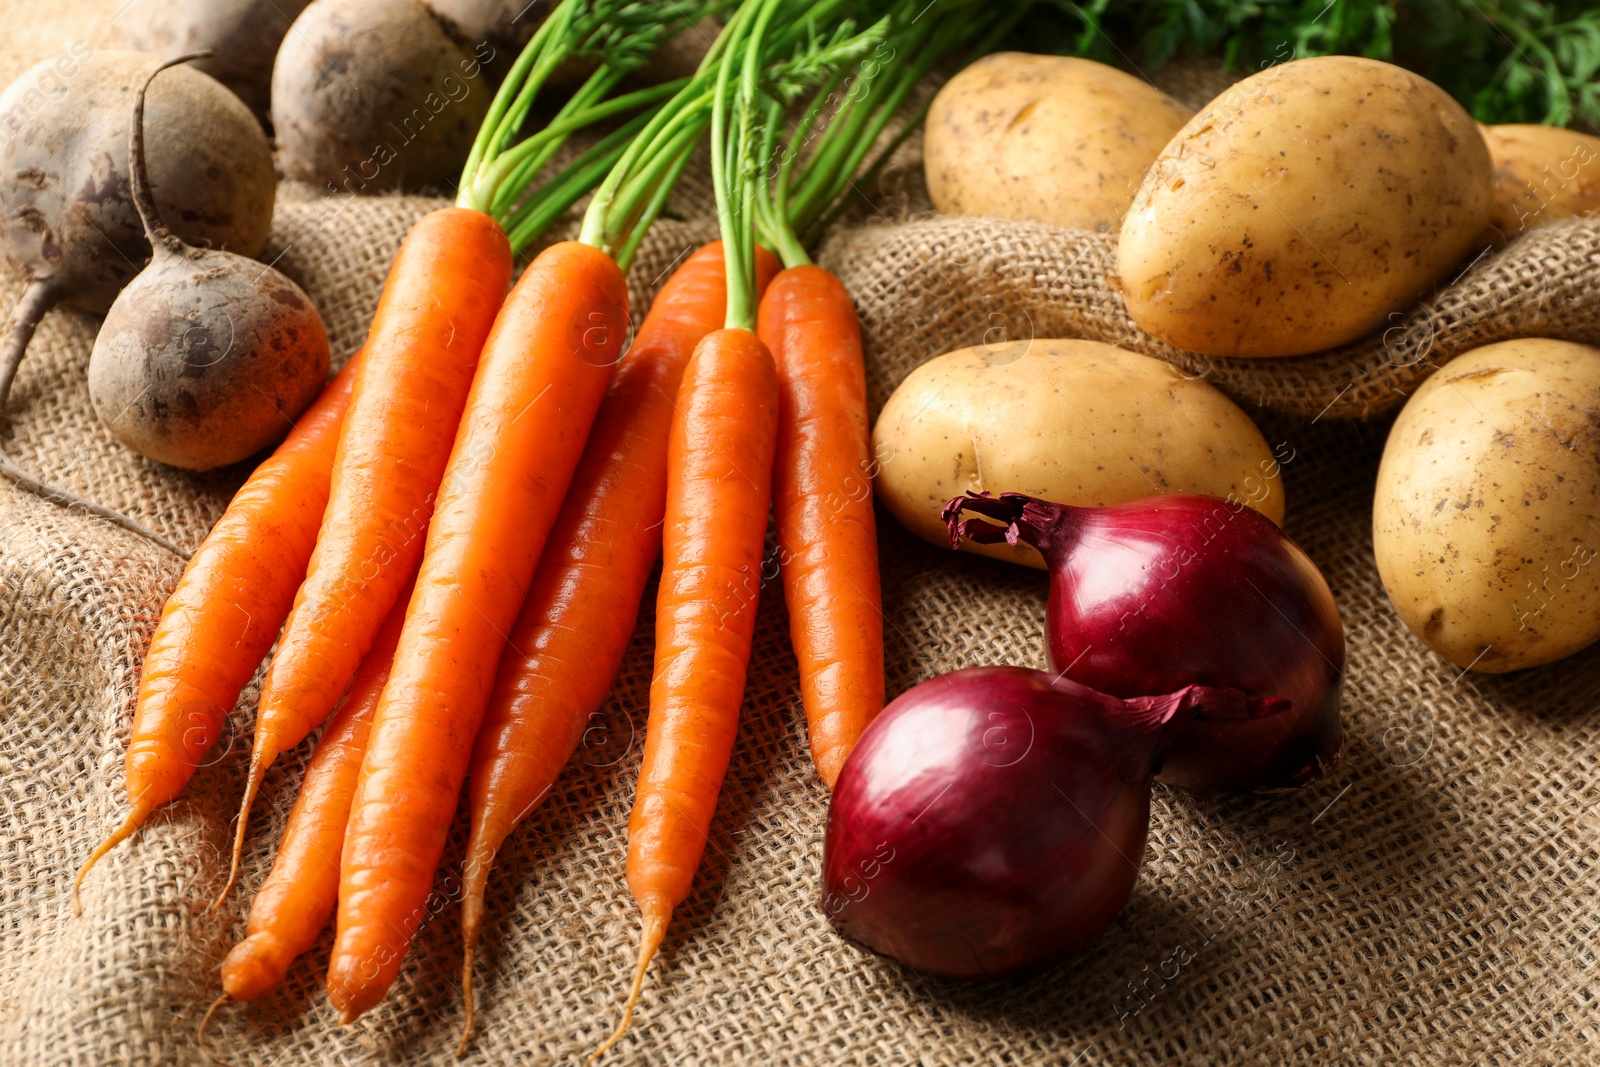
(505, 25)
(206, 357)
(242, 35)
(67, 219)
(373, 95)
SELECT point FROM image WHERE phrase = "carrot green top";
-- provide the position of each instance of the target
(776, 50)
(770, 53)
(851, 111)
(502, 177)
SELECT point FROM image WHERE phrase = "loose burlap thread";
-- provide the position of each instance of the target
(1433, 900)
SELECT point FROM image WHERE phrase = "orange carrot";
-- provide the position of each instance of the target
(297, 899)
(444, 289)
(574, 628)
(543, 374)
(827, 534)
(719, 490)
(226, 610)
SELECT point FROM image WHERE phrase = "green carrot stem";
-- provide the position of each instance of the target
(810, 190)
(493, 133)
(531, 156)
(556, 197)
(620, 34)
(732, 168)
(817, 227)
(802, 134)
(686, 129)
(654, 208)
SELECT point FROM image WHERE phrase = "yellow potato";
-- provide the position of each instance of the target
(1045, 139)
(1300, 208)
(1486, 522)
(1541, 173)
(1077, 422)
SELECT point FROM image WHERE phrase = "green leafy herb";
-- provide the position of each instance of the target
(1505, 60)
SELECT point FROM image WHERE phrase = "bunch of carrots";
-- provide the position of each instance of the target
(456, 537)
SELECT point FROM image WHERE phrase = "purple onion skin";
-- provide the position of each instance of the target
(1186, 589)
(991, 821)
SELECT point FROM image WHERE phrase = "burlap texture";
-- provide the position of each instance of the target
(1432, 901)
(928, 283)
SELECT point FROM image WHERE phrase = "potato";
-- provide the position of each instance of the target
(1077, 422)
(1046, 139)
(1486, 522)
(1541, 173)
(1300, 208)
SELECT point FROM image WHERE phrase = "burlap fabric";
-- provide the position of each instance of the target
(1432, 901)
(928, 283)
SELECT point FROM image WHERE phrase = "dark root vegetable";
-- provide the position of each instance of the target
(369, 95)
(504, 25)
(1157, 594)
(242, 36)
(992, 821)
(207, 357)
(67, 220)
(507, 25)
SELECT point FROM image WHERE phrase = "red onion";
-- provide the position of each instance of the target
(1157, 594)
(992, 820)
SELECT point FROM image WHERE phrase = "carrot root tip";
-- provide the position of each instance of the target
(260, 760)
(466, 994)
(656, 914)
(134, 820)
(200, 1034)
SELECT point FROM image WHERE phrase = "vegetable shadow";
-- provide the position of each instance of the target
(1141, 969)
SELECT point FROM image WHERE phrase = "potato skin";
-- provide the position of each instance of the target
(1047, 139)
(1541, 173)
(1299, 209)
(1077, 422)
(1486, 520)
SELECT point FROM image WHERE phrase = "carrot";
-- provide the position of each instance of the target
(298, 897)
(569, 640)
(441, 296)
(827, 533)
(543, 374)
(718, 492)
(827, 537)
(444, 290)
(226, 610)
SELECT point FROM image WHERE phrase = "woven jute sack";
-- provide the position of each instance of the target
(1433, 900)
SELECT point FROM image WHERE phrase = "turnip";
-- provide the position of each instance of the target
(67, 222)
(243, 35)
(207, 356)
(370, 95)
